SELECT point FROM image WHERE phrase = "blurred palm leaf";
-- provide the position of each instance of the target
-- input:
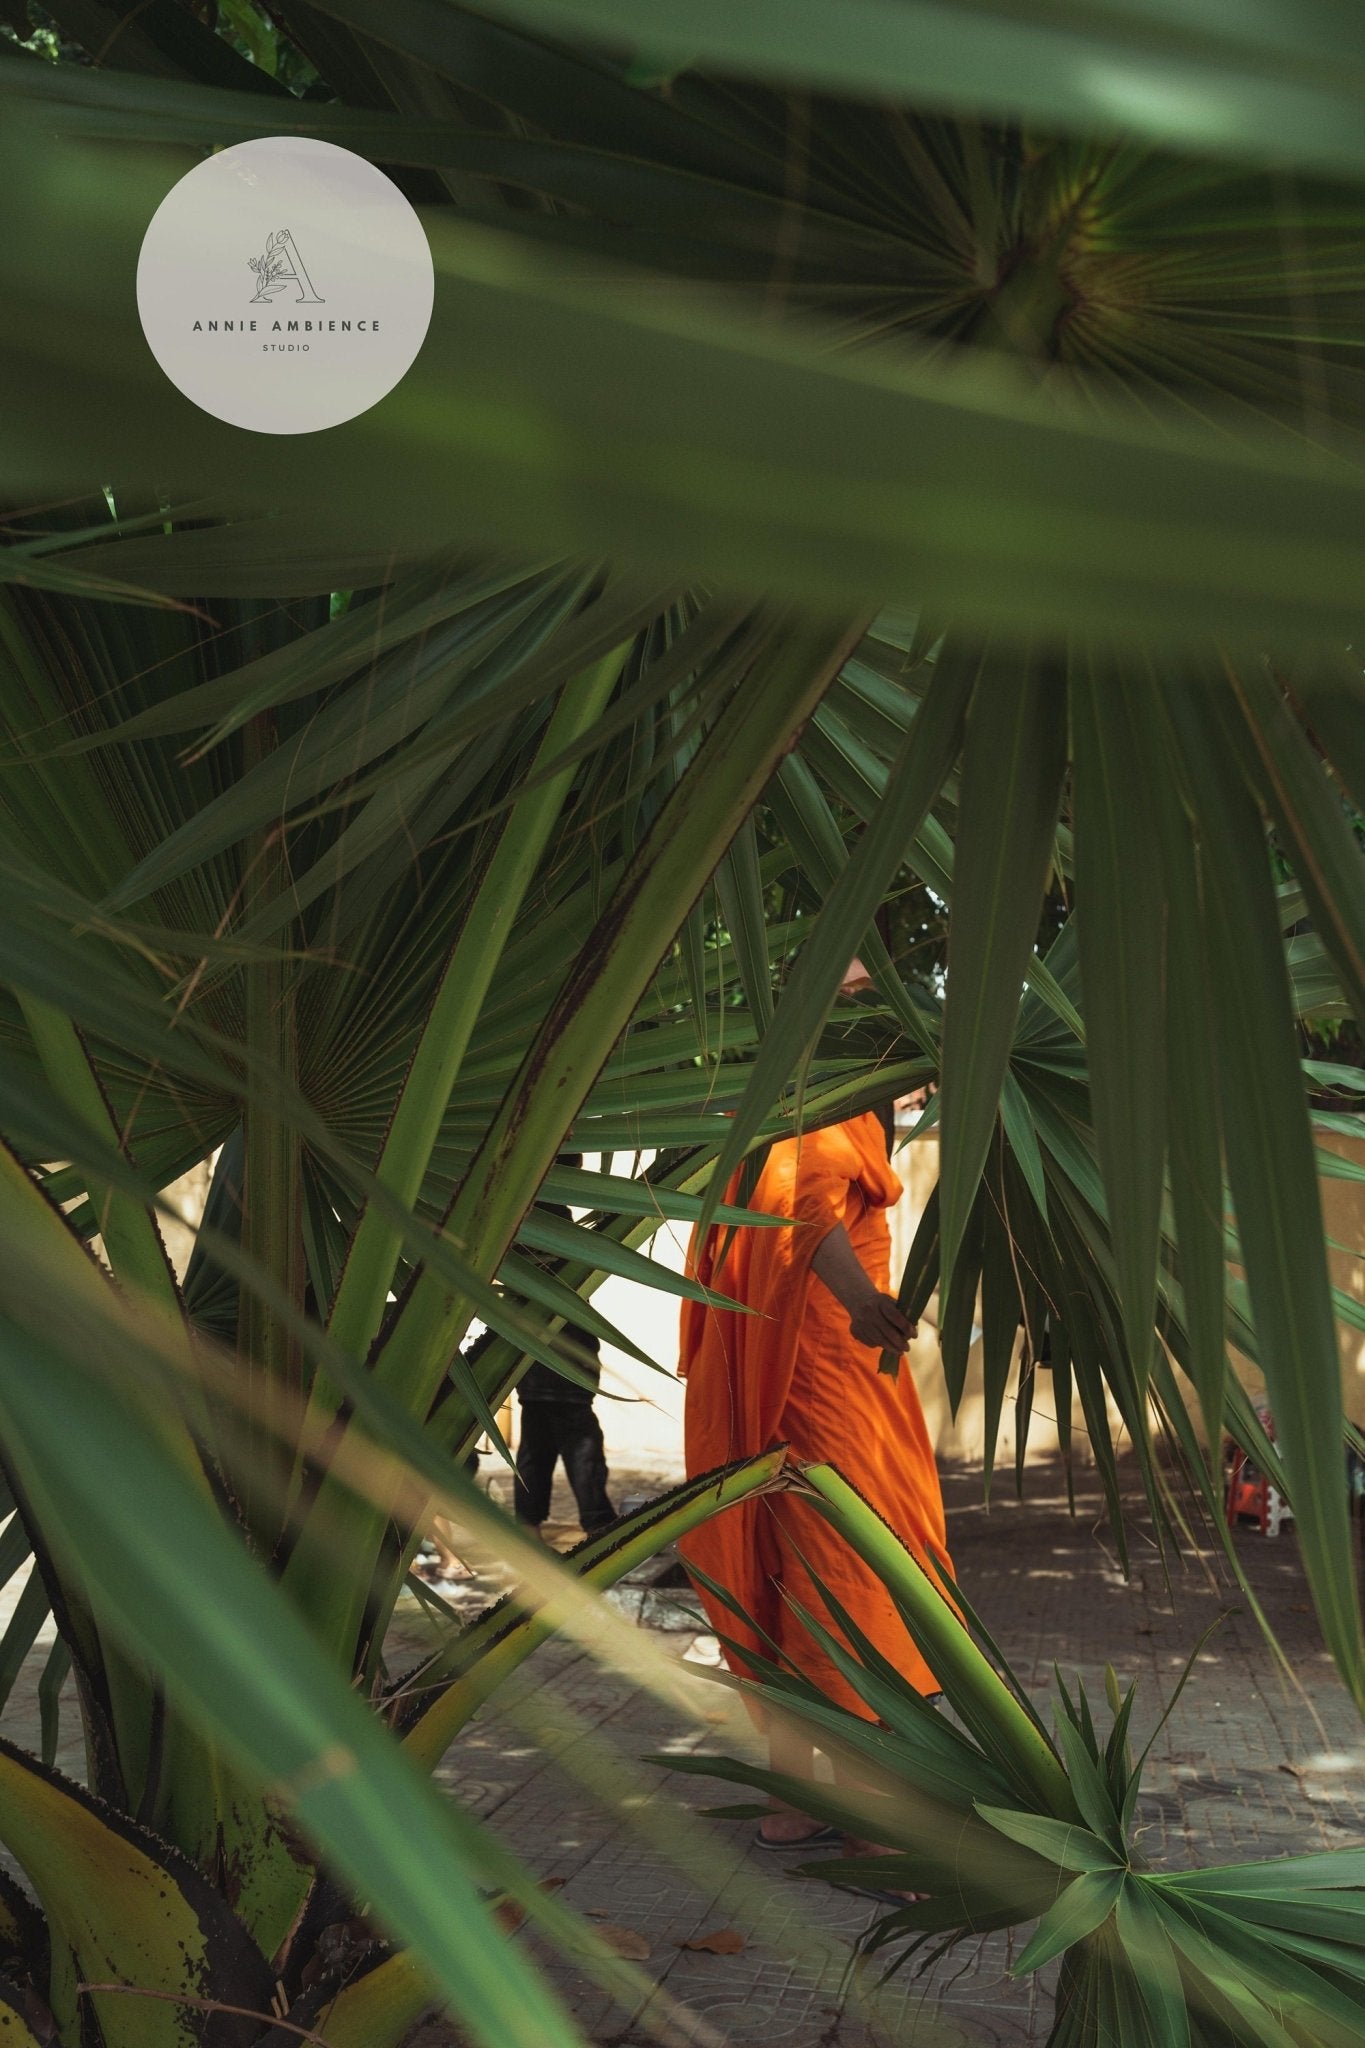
(1231, 85)
(810, 490)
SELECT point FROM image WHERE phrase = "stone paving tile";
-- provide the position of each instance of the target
(1253, 1762)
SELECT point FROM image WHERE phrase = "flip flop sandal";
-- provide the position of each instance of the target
(821, 1839)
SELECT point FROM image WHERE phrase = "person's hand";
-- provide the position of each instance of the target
(879, 1321)
(874, 1319)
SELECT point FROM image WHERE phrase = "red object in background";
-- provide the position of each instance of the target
(1250, 1494)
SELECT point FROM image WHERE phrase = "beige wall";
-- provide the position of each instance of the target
(1343, 1203)
(644, 1424)
(1343, 1215)
(963, 1436)
(187, 1196)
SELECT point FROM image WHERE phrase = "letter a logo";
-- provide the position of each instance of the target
(281, 265)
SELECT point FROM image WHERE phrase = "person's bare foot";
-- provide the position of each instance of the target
(443, 1569)
(782, 1824)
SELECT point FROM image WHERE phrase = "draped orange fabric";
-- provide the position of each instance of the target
(793, 1373)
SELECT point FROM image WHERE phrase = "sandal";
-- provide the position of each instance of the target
(820, 1839)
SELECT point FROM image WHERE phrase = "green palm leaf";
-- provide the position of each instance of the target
(1011, 776)
(1122, 942)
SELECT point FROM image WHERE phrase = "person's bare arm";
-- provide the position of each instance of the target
(873, 1318)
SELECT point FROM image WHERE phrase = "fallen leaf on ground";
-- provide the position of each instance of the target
(510, 1914)
(624, 1941)
(722, 1941)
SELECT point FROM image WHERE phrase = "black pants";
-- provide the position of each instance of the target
(551, 1430)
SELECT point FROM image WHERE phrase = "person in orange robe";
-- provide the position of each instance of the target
(802, 1369)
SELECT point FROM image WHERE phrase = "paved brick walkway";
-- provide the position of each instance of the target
(1251, 1764)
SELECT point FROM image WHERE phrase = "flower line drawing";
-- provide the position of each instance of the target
(281, 265)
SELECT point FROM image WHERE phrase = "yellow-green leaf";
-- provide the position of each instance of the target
(15, 2031)
(131, 1910)
(376, 2010)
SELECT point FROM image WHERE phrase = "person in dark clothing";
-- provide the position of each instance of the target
(558, 1421)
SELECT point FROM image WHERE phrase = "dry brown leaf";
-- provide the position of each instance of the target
(722, 1941)
(510, 1914)
(624, 1941)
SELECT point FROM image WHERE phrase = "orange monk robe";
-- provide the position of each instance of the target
(793, 1373)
